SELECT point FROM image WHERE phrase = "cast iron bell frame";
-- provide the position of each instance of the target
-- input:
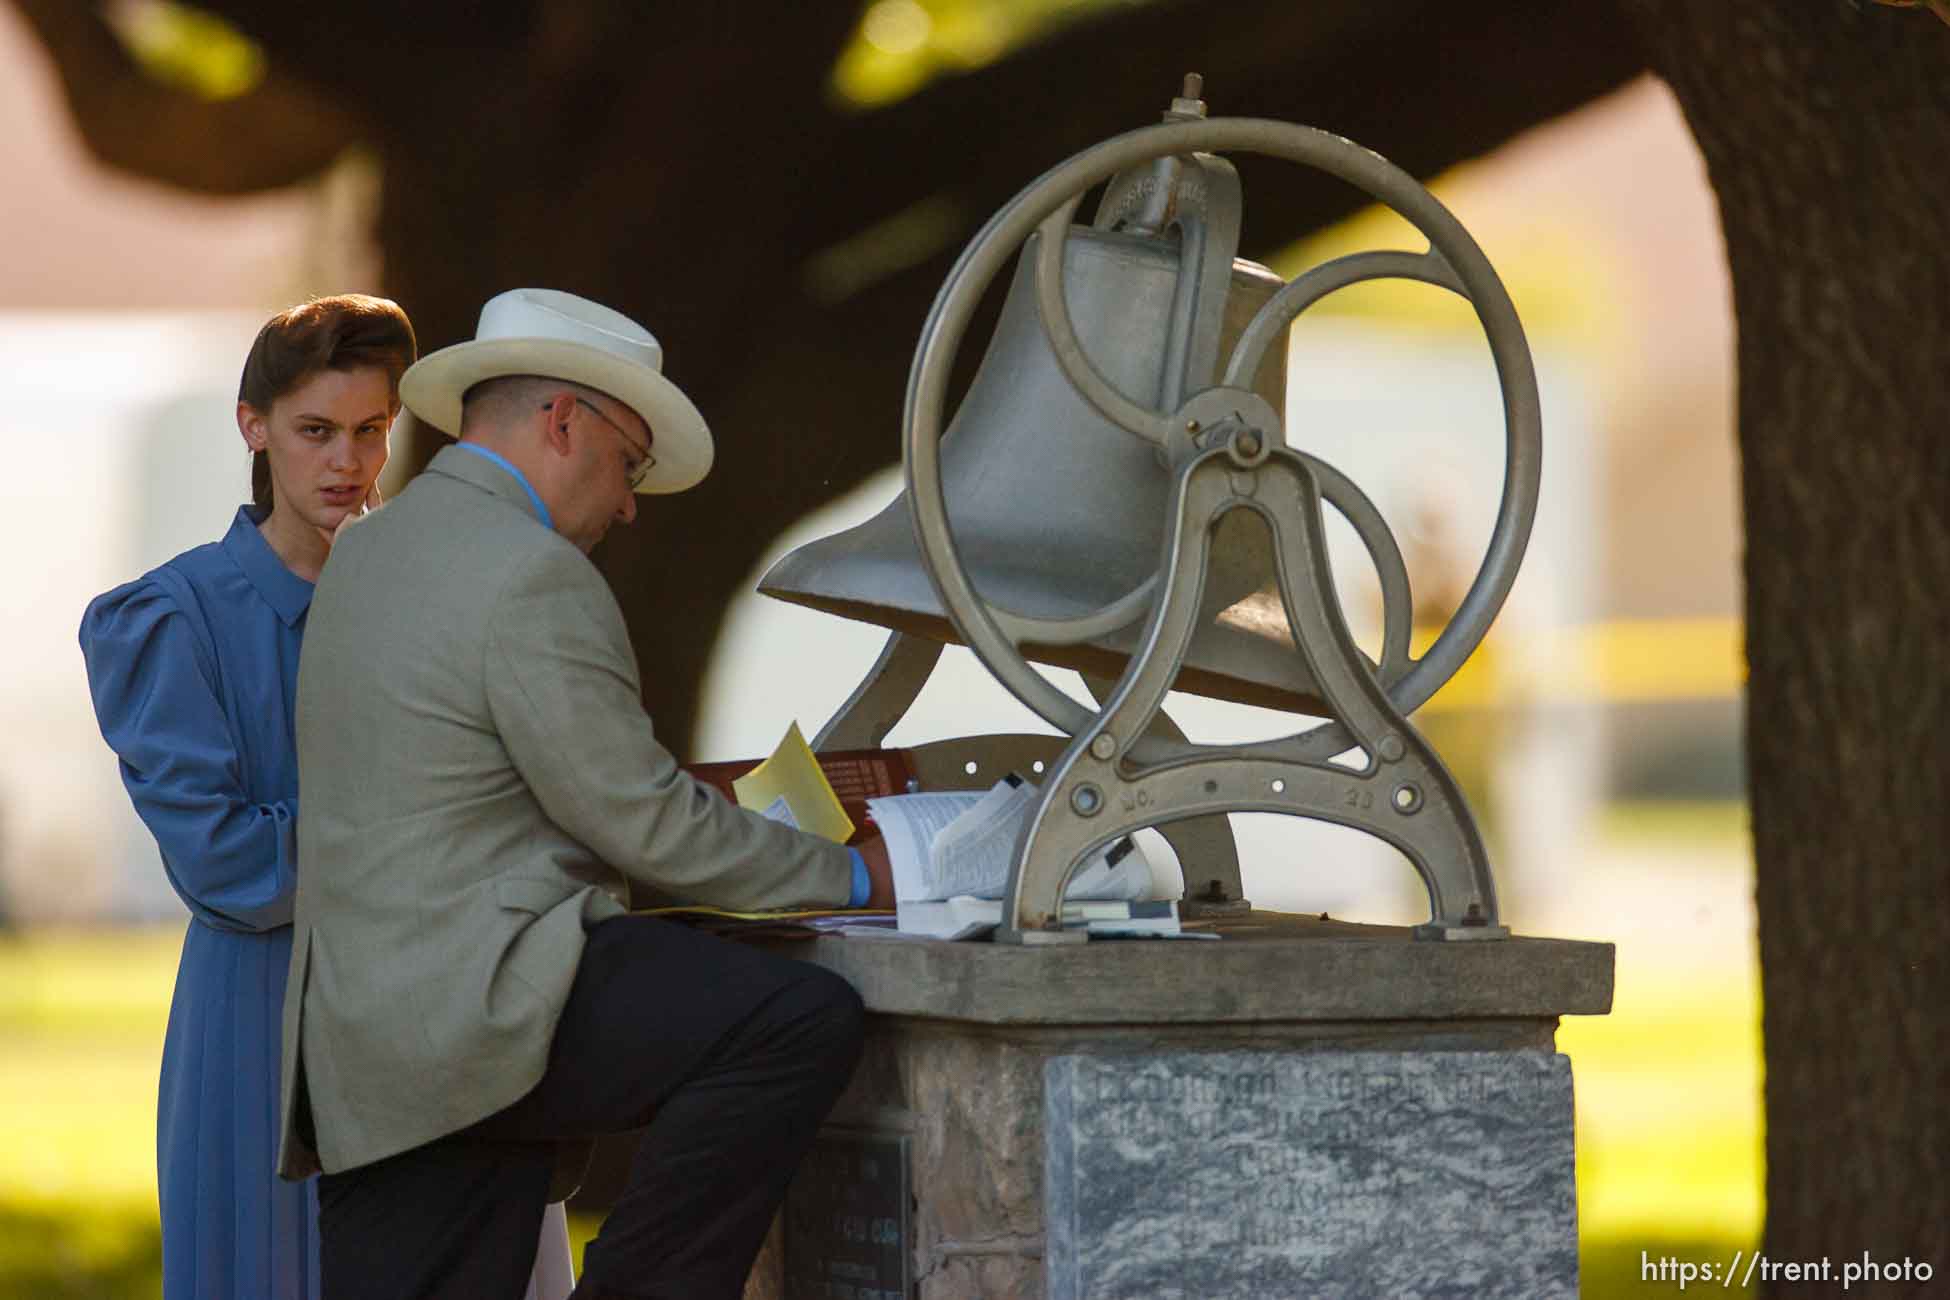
(1126, 767)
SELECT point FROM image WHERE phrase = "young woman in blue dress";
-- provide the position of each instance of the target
(194, 669)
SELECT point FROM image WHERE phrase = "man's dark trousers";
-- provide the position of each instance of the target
(730, 1056)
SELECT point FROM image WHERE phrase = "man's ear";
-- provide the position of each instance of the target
(254, 425)
(555, 418)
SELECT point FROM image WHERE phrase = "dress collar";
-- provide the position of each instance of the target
(284, 591)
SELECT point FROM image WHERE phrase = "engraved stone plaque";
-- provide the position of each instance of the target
(847, 1219)
(1195, 1176)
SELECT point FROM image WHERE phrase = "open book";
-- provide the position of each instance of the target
(951, 854)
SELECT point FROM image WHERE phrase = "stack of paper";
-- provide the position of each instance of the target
(951, 854)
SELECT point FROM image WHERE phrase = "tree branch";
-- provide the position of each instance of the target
(276, 135)
(1428, 83)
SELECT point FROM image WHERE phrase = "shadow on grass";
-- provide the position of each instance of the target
(1618, 1267)
(80, 1252)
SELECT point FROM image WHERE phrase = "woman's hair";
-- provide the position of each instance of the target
(347, 331)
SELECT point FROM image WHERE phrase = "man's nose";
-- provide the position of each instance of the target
(344, 455)
(627, 511)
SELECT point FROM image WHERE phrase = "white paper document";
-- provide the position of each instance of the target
(973, 851)
(909, 824)
(959, 846)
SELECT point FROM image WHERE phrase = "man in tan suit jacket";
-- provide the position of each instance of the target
(482, 791)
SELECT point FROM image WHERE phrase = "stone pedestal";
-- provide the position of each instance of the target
(1305, 1108)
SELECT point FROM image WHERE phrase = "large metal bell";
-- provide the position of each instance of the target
(1057, 512)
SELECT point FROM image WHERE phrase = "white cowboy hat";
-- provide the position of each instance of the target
(559, 336)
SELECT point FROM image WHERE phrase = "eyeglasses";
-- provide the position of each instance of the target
(646, 460)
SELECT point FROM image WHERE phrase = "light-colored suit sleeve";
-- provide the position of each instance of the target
(564, 694)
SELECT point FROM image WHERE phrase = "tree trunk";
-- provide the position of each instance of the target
(1825, 130)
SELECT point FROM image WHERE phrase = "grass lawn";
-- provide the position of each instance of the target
(1667, 1093)
(1669, 1138)
(81, 1029)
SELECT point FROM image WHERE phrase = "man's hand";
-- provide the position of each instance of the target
(879, 871)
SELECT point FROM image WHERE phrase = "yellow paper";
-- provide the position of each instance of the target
(790, 787)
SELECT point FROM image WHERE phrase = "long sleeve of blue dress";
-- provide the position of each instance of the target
(232, 860)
